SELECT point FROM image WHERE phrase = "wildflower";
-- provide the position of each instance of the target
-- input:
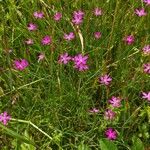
(32, 26)
(46, 40)
(146, 95)
(21, 64)
(29, 42)
(57, 16)
(146, 68)
(109, 114)
(111, 134)
(147, 2)
(105, 79)
(64, 58)
(38, 15)
(129, 39)
(69, 36)
(78, 17)
(41, 56)
(97, 12)
(80, 62)
(146, 49)
(115, 101)
(4, 118)
(94, 110)
(140, 12)
(97, 35)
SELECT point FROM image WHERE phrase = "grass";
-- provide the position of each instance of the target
(48, 101)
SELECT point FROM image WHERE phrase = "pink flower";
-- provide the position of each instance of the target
(146, 95)
(109, 114)
(46, 40)
(111, 134)
(97, 35)
(38, 15)
(41, 56)
(147, 2)
(129, 39)
(97, 12)
(105, 79)
(140, 12)
(4, 118)
(80, 62)
(146, 68)
(32, 27)
(69, 36)
(29, 42)
(78, 17)
(94, 110)
(21, 64)
(115, 101)
(64, 58)
(146, 49)
(57, 16)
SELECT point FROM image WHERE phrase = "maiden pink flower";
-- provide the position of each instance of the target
(146, 2)
(21, 64)
(146, 68)
(97, 35)
(146, 95)
(41, 56)
(129, 39)
(109, 114)
(146, 49)
(69, 36)
(46, 40)
(115, 101)
(78, 17)
(94, 110)
(4, 118)
(111, 134)
(140, 12)
(64, 58)
(29, 42)
(32, 27)
(38, 15)
(97, 12)
(57, 16)
(105, 79)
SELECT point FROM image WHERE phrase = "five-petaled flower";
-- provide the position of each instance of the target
(140, 12)
(111, 134)
(146, 2)
(146, 49)
(97, 35)
(57, 16)
(146, 95)
(32, 26)
(78, 17)
(94, 110)
(146, 68)
(64, 58)
(115, 101)
(105, 79)
(29, 42)
(97, 12)
(38, 14)
(109, 114)
(46, 40)
(4, 118)
(69, 36)
(20, 64)
(129, 39)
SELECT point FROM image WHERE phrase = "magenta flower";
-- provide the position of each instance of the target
(69, 36)
(146, 49)
(77, 17)
(32, 26)
(147, 2)
(29, 42)
(146, 68)
(109, 114)
(129, 39)
(105, 79)
(64, 58)
(111, 134)
(115, 101)
(80, 62)
(46, 40)
(41, 56)
(57, 16)
(140, 12)
(21, 64)
(97, 12)
(4, 118)
(146, 95)
(97, 35)
(38, 15)
(94, 110)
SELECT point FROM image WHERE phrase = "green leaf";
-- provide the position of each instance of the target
(137, 144)
(83, 146)
(107, 145)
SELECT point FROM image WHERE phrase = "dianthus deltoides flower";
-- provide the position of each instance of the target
(115, 101)
(57, 16)
(80, 62)
(69, 36)
(38, 14)
(32, 26)
(46, 40)
(4, 118)
(146, 49)
(105, 79)
(97, 35)
(146, 2)
(146, 95)
(129, 39)
(109, 114)
(111, 134)
(78, 17)
(97, 12)
(94, 110)
(20, 64)
(64, 58)
(140, 12)
(146, 68)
